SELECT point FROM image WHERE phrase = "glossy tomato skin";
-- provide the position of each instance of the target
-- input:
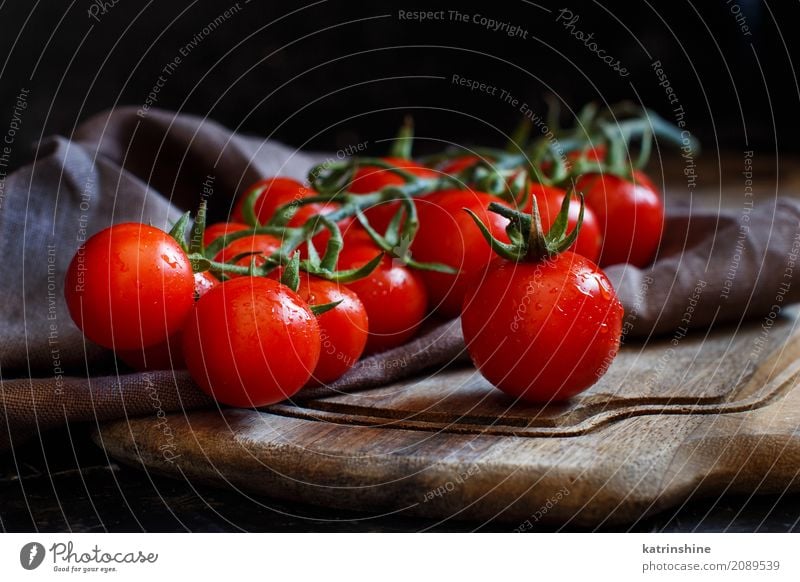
(343, 329)
(394, 297)
(459, 164)
(372, 178)
(167, 355)
(251, 342)
(214, 231)
(129, 287)
(543, 331)
(630, 216)
(263, 244)
(549, 200)
(448, 235)
(275, 193)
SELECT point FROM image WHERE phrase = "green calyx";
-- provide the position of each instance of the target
(291, 278)
(527, 239)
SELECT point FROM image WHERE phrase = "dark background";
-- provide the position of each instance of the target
(333, 73)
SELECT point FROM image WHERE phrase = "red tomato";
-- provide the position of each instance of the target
(630, 216)
(277, 192)
(393, 295)
(448, 235)
(542, 331)
(459, 164)
(203, 283)
(343, 329)
(129, 286)
(167, 355)
(549, 200)
(370, 179)
(596, 154)
(214, 231)
(264, 244)
(251, 342)
(281, 191)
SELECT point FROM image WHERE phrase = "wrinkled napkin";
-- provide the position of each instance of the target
(713, 267)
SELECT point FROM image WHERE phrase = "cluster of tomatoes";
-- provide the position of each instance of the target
(305, 279)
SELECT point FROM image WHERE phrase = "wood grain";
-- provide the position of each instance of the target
(711, 413)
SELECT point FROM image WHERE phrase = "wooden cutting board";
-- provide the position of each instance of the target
(703, 415)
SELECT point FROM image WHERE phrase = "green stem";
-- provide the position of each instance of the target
(404, 141)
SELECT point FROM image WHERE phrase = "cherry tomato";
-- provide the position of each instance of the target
(167, 355)
(370, 179)
(549, 200)
(393, 295)
(343, 329)
(277, 192)
(129, 286)
(542, 331)
(214, 231)
(203, 283)
(263, 244)
(630, 215)
(448, 235)
(459, 164)
(251, 342)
